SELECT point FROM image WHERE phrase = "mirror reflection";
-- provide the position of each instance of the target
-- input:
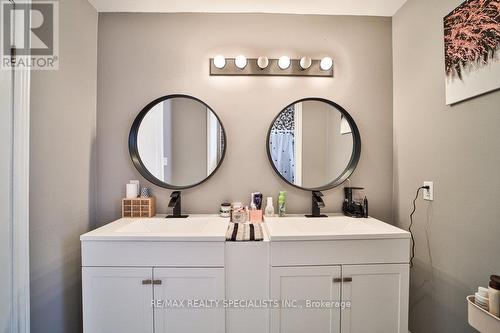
(180, 141)
(310, 144)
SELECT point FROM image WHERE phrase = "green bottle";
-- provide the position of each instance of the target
(281, 204)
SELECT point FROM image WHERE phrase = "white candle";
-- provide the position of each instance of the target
(131, 191)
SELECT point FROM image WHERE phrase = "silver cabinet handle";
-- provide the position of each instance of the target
(338, 280)
(146, 281)
(156, 282)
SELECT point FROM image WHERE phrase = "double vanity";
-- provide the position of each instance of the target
(332, 274)
(178, 274)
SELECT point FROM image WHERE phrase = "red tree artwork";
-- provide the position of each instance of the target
(471, 35)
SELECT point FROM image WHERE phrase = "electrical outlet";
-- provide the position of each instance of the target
(428, 194)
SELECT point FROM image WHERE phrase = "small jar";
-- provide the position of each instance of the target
(239, 215)
(225, 210)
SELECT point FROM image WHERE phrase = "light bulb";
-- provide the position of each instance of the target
(326, 63)
(262, 62)
(219, 61)
(240, 61)
(305, 62)
(284, 62)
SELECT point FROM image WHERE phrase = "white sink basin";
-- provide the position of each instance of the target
(328, 228)
(162, 225)
(193, 228)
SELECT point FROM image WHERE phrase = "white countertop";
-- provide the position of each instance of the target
(195, 228)
(212, 228)
(333, 227)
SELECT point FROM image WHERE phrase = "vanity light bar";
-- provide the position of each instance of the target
(262, 66)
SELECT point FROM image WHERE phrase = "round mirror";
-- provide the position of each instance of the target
(313, 144)
(177, 142)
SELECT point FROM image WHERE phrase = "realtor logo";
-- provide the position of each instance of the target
(30, 35)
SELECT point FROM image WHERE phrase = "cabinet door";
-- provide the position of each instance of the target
(318, 283)
(117, 299)
(378, 296)
(183, 284)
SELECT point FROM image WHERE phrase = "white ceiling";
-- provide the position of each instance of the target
(325, 7)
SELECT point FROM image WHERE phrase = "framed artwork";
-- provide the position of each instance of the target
(472, 45)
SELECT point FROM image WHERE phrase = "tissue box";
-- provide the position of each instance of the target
(139, 207)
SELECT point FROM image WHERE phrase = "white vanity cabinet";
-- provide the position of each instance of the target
(127, 264)
(117, 299)
(301, 284)
(187, 284)
(362, 264)
(377, 296)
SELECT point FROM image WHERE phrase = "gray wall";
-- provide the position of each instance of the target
(189, 142)
(326, 152)
(314, 144)
(62, 171)
(459, 149)
(143, 56)
(340, 151)
(167, 139)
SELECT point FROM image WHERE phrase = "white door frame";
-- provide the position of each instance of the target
(20, 203)
(20, 314)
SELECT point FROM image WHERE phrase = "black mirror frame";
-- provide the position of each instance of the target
(134, 153)
(356, 147)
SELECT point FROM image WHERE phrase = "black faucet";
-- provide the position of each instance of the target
(175, 204)
(317, 204)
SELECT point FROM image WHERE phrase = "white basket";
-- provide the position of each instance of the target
(482, 320)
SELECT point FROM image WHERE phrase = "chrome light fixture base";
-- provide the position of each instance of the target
(252, 69)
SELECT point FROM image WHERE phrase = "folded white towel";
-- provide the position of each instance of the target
(241, 232)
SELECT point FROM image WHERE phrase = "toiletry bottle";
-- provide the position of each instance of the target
(365, 207)
(235, 206)
(494, 295)
(252, 202)
(258, 200)
(281, 204)
(269, 207)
